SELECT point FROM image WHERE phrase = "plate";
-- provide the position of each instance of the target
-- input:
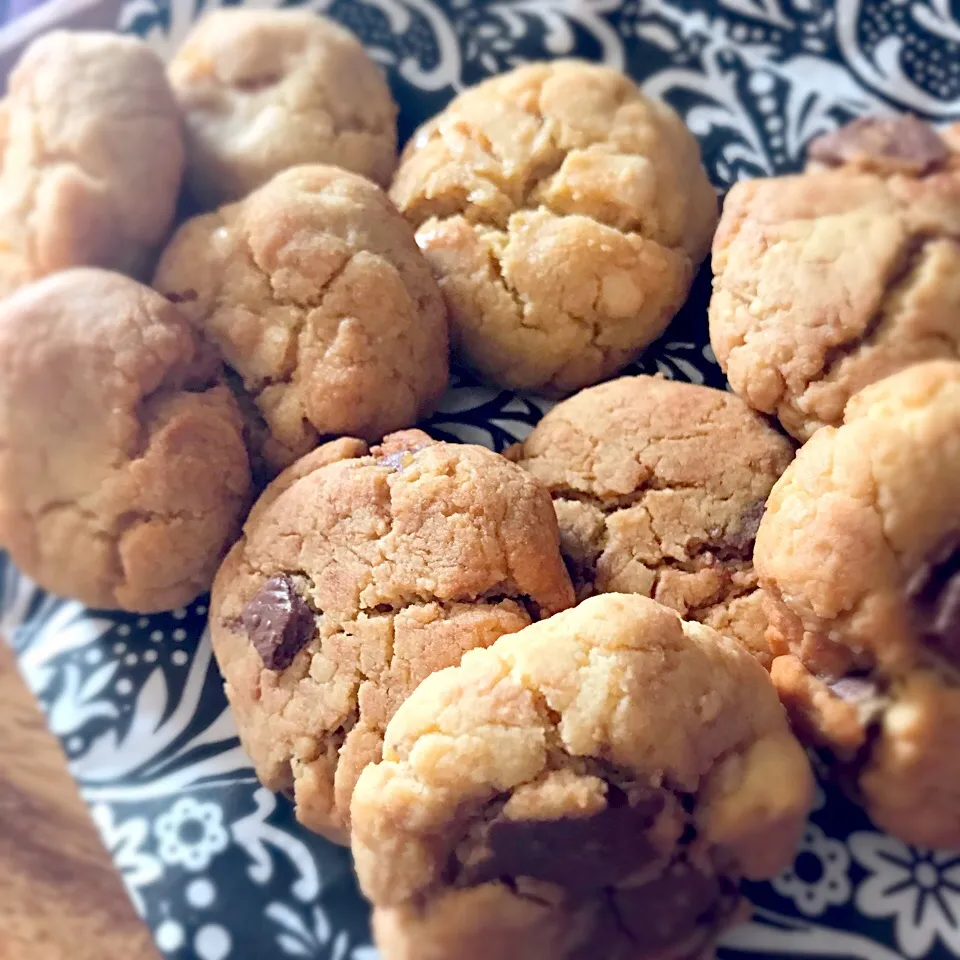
(216, 864)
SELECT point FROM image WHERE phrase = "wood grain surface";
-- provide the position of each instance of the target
(60, 898)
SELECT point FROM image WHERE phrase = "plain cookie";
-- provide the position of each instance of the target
(564, 214)
(827, 281)
(359, 573)
(264, 90)
(123, 473)
(860, 548)
(315, 293)
(593, 786)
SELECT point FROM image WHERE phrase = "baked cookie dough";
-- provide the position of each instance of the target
(564, 214)
(91, 157)
(123, 473)
(360, 572)
(827, 281)
(315, 293)
(593, 786)
(264, 90)
(659, 487)
(860, 547)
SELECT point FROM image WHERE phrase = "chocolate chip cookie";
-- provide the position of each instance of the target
(359, 573)
(564, 214)
(832, 279)
(315, 293)
(264, 90)
(123, 473)
(91, 157)
(593, 786)
(659, 487)
(860, 548)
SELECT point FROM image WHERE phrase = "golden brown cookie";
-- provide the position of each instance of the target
(91, 157)
(123, 473)
(316, 295)
(659, 487)
(264, 90)
(564, 214)
(860, 547)
(827, 281)
(360, 573)
(593, 786)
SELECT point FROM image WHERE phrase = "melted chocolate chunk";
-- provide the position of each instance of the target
(888, 144)
(278, 622)
(934, 591)
(739, 544)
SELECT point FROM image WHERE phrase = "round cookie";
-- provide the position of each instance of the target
(315, 293)
(595, 785)
(123, 473)
(88, 121)
(359, 573)
(659, 487)
(564, 214)
(264, 90)
(860, 549)
(827, 281)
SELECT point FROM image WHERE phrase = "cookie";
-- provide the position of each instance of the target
(564, 213)
(359, 573)
(316, 295)
(860, 549)
(264, 90)
(659, 487)
(830, 280)
(595, 785)
(88, 121)
(123, 473)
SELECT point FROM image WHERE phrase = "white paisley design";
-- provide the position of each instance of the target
(818, 878)
(191, 834)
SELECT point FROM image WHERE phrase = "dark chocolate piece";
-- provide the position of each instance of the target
(888, 144)
(278, 622)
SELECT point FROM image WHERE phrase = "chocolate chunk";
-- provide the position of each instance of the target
(886, 144)
(398, 449)
(278, 622)
(578, 853)
(184, 296)
(934, 591)
(739, 544)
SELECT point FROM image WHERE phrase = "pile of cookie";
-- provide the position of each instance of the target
(540, 694)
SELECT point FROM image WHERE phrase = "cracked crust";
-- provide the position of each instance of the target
(123, 474)
(596, 784)
(88, 119)
(564, 214)
(264, 90)
(659, 487)
(316, 295)
(408, 554)
(828, 281)
(858, 546)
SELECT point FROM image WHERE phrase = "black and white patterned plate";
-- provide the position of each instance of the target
(215, 863)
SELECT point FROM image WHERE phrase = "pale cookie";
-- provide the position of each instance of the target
(827, 281)
(123, 473)
(659, 487)
(860, 547)
(91, 157)
(360, 573)
(593, 786)
(315, 293)
(564, 213)
(264, 90)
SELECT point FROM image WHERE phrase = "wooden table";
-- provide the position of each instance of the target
(60, 898)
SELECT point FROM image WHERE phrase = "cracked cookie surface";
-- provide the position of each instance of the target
(123, 473)
(264, 90)
(595, 785)
(860, 547)
(564, 214)
(316, 295)
(405, 556)
(827, 281)
(87, 121)
(659, 487)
